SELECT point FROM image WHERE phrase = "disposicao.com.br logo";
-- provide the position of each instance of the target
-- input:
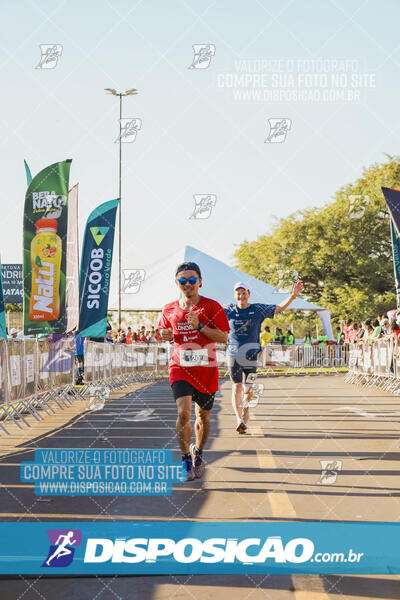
(247, 551)
(107, 552)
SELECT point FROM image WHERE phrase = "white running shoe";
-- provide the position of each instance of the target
(198, 462)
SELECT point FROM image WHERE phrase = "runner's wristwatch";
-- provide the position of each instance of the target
(200, 326)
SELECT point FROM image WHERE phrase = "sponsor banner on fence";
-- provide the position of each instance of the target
(45, 243)
(12, 283)
(95, 274)
(71, 548)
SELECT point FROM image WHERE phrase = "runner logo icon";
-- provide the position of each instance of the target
(62, 547)
(128, 130)
(329, 471)
(203, 54)
(203, 205)
(50, 53)
(278, 129)
(132, 281)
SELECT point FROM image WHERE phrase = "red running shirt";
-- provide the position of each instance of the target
(192, 347)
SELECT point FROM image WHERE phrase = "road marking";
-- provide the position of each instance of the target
(309, 587)
(89, 517)
(357, 411)
(282, 508)
(17, 485)
(265, 459)
(255, 430)
(280, 503)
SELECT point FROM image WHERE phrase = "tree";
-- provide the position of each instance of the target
(13, 307)
(341, 250)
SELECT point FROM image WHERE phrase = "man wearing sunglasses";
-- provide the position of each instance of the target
(243, 348)
(195, 323)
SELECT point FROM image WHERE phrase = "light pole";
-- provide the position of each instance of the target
(131, 92)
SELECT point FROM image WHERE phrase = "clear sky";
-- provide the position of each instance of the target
(199, 134)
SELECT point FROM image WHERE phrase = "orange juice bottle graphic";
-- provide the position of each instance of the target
(46, 250)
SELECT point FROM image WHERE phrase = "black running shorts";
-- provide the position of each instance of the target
(236, 371)
(184, 388)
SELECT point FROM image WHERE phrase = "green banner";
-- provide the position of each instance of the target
(45, 245)
(94, 284)
(396, 258)
(28, 173)
(392, 198)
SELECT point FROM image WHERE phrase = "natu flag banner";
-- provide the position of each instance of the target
(45, 245)
(95, 273)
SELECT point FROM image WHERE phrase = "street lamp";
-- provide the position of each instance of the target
(131, 92)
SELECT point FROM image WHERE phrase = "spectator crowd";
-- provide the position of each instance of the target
(384, 327)
(129, 336)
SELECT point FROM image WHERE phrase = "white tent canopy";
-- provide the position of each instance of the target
(158, 287)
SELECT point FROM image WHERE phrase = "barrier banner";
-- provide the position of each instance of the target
(30, 361)
(103, 548)
(3, 372)
(45, 244)
(43, 358)
(15, 352)
(3, 327)
(95, 273)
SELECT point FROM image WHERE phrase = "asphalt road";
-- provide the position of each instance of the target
(274, 473)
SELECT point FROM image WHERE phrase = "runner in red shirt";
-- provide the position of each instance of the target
(195, 323)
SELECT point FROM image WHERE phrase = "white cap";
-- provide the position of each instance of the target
(240, 284)
(13, 330)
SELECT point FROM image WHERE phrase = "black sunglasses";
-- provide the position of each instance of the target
(185, 280)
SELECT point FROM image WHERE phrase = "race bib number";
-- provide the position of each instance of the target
(193, 358)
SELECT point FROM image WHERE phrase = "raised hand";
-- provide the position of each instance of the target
(298, 288)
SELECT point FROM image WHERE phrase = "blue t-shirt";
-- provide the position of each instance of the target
(79, 346)
(245, 325)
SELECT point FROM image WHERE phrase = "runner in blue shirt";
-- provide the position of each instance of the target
(243, 344)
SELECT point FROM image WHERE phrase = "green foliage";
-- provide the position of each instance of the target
(342, 250)
(297, 321)
(13, 307)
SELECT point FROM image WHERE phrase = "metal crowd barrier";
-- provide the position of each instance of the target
(301, 356)
(373, 364)
(109, 367)
(116, 365)
(36, 377)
